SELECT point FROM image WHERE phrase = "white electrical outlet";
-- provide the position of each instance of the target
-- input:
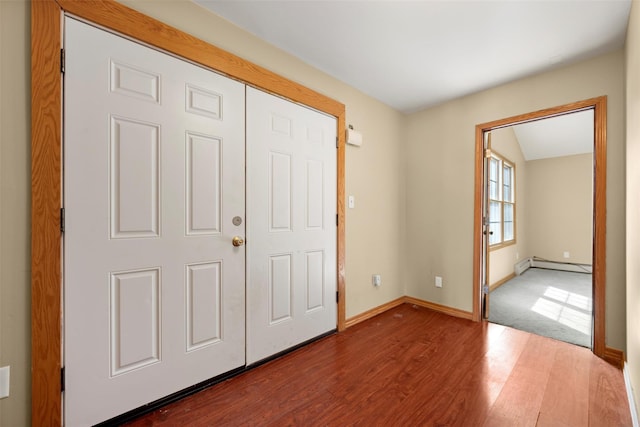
(438, 281)
(566, 254)
(4, 381)
(377, 280)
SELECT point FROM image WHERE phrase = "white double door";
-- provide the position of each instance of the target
(156, 295)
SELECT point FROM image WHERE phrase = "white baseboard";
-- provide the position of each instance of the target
(630, 396)
(578, 268)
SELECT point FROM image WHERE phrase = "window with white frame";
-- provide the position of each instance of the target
(502, 201)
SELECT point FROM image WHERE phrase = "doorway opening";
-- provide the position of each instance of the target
(484, 240)
(539, 191)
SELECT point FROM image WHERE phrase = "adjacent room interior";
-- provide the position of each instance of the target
(540, 198)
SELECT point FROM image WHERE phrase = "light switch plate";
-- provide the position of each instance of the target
(351, 202)
(4, 381)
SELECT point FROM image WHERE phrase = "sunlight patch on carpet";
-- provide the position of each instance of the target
(579, 301)
(562, 313)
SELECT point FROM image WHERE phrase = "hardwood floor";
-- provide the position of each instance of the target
(412, 366)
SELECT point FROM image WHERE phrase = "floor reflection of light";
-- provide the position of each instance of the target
(570, 298)
(577, 320)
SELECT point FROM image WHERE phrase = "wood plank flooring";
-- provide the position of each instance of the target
(411, 366)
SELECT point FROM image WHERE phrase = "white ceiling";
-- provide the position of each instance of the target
(556, 137)
(415, 54)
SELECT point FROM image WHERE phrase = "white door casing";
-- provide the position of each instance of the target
(154, 291)
(291, 224)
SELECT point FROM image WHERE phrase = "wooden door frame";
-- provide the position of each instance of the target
(599, 107)
(46, 163)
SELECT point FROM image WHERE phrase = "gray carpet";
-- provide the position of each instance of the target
(555, 304)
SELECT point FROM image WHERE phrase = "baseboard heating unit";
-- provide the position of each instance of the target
(522, 266)
(535, 262)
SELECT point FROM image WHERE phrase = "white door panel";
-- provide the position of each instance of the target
(154, 175)
(291, 224)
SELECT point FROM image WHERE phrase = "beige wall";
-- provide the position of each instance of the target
(559, 217)
(501, 261)
(15, 183)
(440, 180)
(633, 199)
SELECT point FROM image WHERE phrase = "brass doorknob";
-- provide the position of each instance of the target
(237, 241)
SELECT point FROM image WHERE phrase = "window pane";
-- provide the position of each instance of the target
(506, 169)
(493, 179)
(495, 221)
(506, 193)
(493, 190)
(493, 169)
(508, 231)
(507, 183)
(508, 212)
(508, 221)
(495, 214)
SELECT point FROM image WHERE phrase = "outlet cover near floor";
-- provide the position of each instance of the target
(377, 280)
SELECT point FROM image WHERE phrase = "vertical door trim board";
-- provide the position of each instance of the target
(46, 243)
(599, 107)
(46, 166)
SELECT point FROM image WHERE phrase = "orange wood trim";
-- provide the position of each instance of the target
(600, 226)
(439, 308)
(599, 106)
(46, 41)
(477, 226)
(543, 114)
(46, 273)
(341, 249)
(374, 312)
(501, 282)
(615, 357)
